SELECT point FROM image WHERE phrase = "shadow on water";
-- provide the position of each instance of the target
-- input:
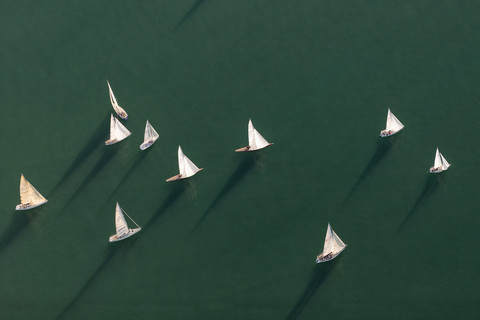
(19, 223)
(431, 184)
(383, 146)
(189, 13)
(108, 257)
(244, 166)
(319, 274)
(167, 203)
(107, 155)
(99, 135)
(138, 160)
(124, 245)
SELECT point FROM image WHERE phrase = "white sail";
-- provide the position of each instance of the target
(118, 131)
(119, 110)
(120, 223)
(255, 139)
(445, 163)
(393, 123)
(332, 246)
(29, 196)
(186, 166)
(149, 137)
(121, 226)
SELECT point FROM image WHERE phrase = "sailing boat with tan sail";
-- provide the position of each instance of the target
(186, 167)
(332, 247)
(121, 226)
(118, 131)
(29, 196)
(119, 110)
(255, 140)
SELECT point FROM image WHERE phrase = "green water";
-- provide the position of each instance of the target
(239, 239)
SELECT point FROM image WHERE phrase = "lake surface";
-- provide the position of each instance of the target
(239, 239)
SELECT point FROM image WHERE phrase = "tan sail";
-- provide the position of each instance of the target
(29, 196)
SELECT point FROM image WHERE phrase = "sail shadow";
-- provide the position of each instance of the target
(100, 134)
(319, 274)
(19, 223)
(383, 146)
(107, 155)
(166, 204)
(431, 184)
(138, 160)
(247, 163)
(189, 13)
(108, 257)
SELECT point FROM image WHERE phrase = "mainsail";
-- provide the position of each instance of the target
(120, 223)
(150, 133)
(186, 166)
(393, 123)
(255, 139)
(332, 247)
(440, 161)
(28, 194)
(118, 131)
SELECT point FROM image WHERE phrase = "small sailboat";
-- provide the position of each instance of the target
(440, 164)
(255, 140)
(186, 166)
(119, 110)
(29, 196)
(393, 125)
(118, 132)
(150, 136)
(121, 226)
(332, 247)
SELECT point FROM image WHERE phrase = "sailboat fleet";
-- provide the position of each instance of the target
(30, 198)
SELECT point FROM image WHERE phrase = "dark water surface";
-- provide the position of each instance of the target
(239, 239)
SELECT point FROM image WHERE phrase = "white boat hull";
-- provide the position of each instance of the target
(21, 207)
(130, 233)
(436, 170)
(388, 133)
(147, 144)
(120, 112)
(248, 149)
(110, 142)
(328, 257)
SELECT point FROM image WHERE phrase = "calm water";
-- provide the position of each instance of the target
(239, 240)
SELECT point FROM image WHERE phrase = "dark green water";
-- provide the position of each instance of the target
(239, 240)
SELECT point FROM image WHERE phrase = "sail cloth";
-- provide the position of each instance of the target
(118, 131)
(120, 223)
(255, 139)
(333, 244)
(440, 161)
(393, 123)
(28, 194)
(119, 110)
(185, 165)
(150, 133)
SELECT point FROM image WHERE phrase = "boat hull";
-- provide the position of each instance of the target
(121, 113)
(147, 144)
(436, 170)
(326, 258)
(249, 149)
(180, 177)
(22, 207)
(131, 232)
(110, 142)
(388, 133)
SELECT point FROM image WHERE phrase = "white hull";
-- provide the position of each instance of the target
(321, 259)
(179, 176)
(436, 170)
(120, 112)
(248, 149)
(110, 142)
(147, 144)
(387, 133)
(130, 233)
(21, 207)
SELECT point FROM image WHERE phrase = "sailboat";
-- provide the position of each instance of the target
(440, 164)
(255, 140)
(393, 125)
(121, 226)
(332, 247)
(118, 132)
(29, 196)
(150, 136)
(119, 110)
(186, 166)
